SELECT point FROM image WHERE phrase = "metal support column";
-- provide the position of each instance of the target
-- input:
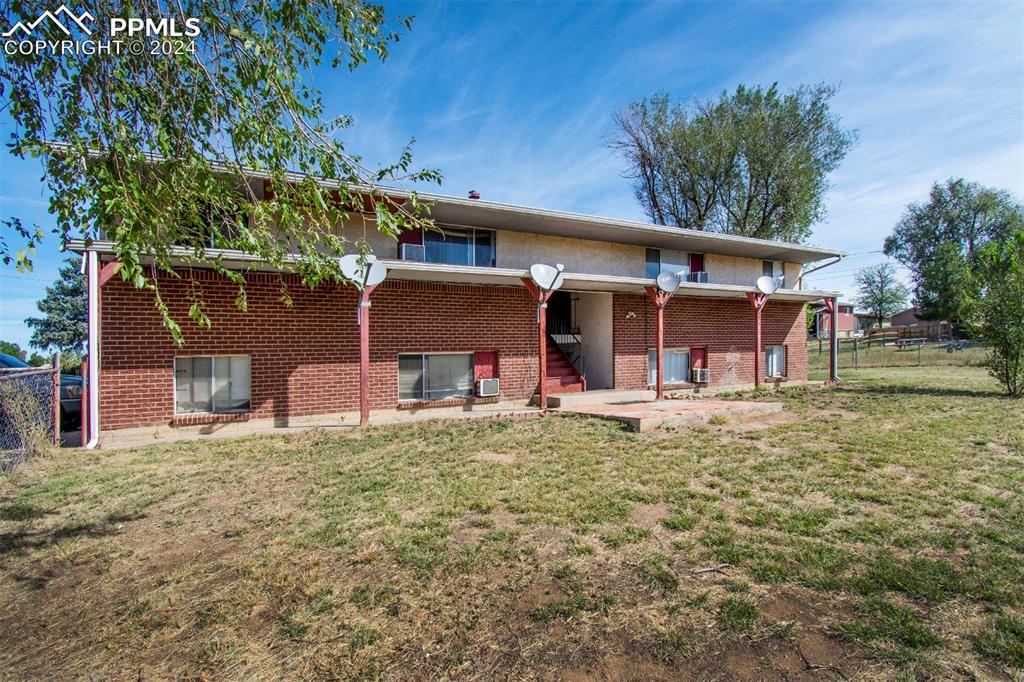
(757, 301)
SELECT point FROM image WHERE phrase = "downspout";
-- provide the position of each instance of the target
(800, 277)
(90, 263)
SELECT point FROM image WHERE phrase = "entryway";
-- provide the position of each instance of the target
(580, 331)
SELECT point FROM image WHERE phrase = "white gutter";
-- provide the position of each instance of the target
(91, 263)
(469, 274)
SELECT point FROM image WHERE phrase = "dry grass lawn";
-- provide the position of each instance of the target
(874, 531)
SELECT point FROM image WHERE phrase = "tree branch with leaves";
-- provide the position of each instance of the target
(880, 292)
(225, 144)
(754, 162)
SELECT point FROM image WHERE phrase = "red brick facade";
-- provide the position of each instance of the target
(304, 358)
(725, 327)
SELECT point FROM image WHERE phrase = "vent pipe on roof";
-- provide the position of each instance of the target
(474, 194)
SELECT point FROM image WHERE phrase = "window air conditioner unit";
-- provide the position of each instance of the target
(416, 252)
(701, 375)
(487, 388)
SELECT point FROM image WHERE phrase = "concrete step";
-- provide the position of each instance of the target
(564, 380)
(576, 388)
(605, 397)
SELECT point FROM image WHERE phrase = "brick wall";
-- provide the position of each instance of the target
(305, 358)
(724, 326)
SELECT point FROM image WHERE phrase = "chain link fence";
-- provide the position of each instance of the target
(865, 353)
(28, 414)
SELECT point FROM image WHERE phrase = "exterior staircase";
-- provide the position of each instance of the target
(562, 376)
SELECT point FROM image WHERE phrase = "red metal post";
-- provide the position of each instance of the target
(364, 355)
(541, 297)
(757, 301)
(833, 341)
(542, 340)
(660, 299)
(56, 400)
(85, 400)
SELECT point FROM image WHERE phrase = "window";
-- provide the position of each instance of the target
(658, 261)
(217, 383)
(652, 265)
(675, 369)
(457, 246)
(775, 361)
(776, 269)
(435, 376)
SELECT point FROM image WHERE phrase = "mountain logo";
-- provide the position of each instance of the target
(78, 20)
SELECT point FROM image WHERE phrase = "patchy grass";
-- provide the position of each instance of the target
(875, 530)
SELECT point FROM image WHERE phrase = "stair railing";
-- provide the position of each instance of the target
(569, 342)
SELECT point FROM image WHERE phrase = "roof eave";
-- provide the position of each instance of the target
(464, 274)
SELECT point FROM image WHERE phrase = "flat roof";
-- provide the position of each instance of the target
(467, 274)
(456, 211)
(449, 210)
(466, 212)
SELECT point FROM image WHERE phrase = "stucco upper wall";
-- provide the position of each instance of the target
(382, 245)
(522, 249)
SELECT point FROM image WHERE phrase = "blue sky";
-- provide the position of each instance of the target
(515, 99)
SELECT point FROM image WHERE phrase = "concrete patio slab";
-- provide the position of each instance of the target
(644, 416)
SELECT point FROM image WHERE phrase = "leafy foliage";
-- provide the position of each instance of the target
(754, 162)
(168, 152)
(12, 349)
(880, 293)
(939, 241)
(995, 312)
(64, 324)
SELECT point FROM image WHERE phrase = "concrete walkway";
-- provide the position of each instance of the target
(647, 415)
(123, 438)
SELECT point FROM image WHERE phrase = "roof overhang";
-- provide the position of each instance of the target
(464, 274)
(456, 211)
(478, 213)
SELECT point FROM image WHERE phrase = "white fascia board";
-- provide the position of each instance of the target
(468, 274)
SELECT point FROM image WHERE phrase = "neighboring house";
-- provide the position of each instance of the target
(822, 325)
(908, 318)
(907, 323)
(867, 321)
(453, 310)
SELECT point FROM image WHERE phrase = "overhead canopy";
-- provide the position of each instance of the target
(467, 274)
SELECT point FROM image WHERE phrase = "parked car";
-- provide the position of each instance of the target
(70, 393)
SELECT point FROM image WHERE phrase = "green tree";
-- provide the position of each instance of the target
(64, 325)
(12, 349)
(192, 143)
(879, 292)
(995, 313)
(754, 162)
(939, 241)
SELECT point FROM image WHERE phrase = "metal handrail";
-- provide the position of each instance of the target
(573, 350)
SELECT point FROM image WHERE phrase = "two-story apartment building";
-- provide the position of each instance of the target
(453, 310)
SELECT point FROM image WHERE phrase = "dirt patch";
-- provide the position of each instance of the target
(624, 667)
(803, 606)
(538, 595)
(758, 422)
(494, 457)
(649, 515)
